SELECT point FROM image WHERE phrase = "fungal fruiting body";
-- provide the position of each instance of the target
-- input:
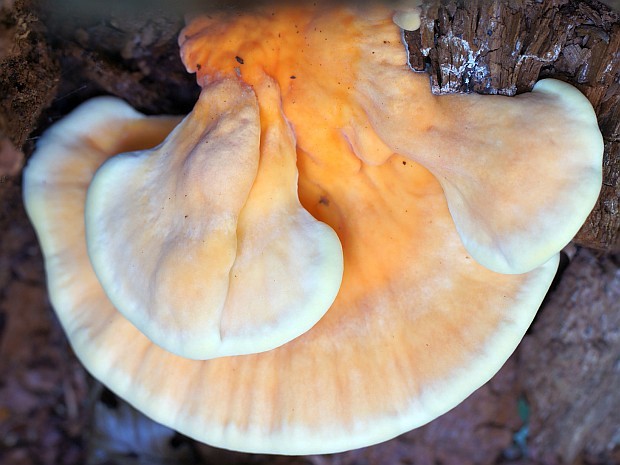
(230, 263)
(448, 221)
(355, 102)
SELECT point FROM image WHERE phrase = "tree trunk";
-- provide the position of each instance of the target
(505, 47)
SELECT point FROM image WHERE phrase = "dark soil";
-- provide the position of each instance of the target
(556, 401)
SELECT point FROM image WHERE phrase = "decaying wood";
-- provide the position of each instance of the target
(504, 47)
(28, 73)
(570, 367)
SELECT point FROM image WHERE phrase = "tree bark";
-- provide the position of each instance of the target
(504, 47)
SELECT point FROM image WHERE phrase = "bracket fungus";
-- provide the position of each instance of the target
(230, 262)
(364, 253)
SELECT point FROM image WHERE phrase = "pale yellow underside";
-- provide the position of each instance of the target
(416, 327)
(202, 243)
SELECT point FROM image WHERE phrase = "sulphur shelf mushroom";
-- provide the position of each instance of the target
(449, 214)
(230, 262)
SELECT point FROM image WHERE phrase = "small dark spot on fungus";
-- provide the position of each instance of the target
(186, 216)
(404, 163)
(198, 66)
(239, 60)
(293, 77)
(324, 201)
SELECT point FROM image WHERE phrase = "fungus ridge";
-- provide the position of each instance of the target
(230, 262)
(354, 101)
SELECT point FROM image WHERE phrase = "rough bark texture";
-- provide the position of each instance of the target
(576, 340)
(118, 50)
(28, 79)
(554, 401)
(29, 72)
(505, 47)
